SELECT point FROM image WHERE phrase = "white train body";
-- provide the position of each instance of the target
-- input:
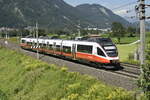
(90, 51)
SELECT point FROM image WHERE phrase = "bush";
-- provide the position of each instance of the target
(148, 51)
(3, 95)
(144, 81)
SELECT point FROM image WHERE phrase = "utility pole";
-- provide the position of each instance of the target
(88, 30)
(6, 35)
(34, 34)
(79, 32)
(37, 40)
(97, 29)
(142, 32)
(140, 9)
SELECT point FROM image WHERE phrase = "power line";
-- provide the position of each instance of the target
(128, 4)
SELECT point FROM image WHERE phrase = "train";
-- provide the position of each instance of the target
(97, 50)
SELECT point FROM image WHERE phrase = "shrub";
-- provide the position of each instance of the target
(3, 96)
(64, 69)
(144, 81)
(148, 51)
(119, 94)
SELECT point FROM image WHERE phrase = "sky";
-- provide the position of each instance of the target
(120, 7)
(111, 4)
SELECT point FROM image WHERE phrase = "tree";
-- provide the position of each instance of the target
(118, 30)
(148, 51)
(42, 32)
(131, 31)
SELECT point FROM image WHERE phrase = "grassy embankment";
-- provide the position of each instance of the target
(126, 50)
(14, 40)
(24, 78)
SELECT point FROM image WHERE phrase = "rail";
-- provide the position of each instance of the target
(129, 70)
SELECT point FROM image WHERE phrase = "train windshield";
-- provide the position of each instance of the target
(108, 46)
(112, 53)
(105, 41)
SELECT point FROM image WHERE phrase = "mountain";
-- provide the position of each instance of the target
(55, 14)
(49, 13)
(136, 24)
(99, 15)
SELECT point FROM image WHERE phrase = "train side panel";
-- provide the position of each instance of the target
(73, 49)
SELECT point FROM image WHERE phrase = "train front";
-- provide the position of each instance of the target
(110, 50)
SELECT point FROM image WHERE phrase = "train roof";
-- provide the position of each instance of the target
(84, 40)
(59, 40)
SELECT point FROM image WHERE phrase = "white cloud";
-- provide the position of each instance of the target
(121, 12)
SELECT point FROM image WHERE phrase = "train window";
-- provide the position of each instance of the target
(33, 43)
(85, 48)
(29, 43)
(23, 41)
(112, 53)
(44, 45)
(57, 47)
(41, 45)
(50, 46)
(66, 49)
(100, 52)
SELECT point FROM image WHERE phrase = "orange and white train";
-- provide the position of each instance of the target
(95, 50)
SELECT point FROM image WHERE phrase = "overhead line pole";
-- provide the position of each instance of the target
(142, 32)
(79, 31)
(37, 40)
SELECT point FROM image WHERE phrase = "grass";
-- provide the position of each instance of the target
(14, 40)
(24, 78)
(126, 50)
(125, 40)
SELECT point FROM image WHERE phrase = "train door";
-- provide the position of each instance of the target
(74, 51)
(100, 56)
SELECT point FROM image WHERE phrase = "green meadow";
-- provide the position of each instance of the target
(25, 78)
(126, 50)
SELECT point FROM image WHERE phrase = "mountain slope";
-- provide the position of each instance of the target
(54, 14)
(100, 15)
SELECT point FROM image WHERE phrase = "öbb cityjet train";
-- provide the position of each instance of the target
(94, 50)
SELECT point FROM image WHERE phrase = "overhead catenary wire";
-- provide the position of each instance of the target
(122, 6)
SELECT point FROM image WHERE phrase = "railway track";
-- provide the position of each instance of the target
(130, 65)
(130, 70)
(125, 77)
